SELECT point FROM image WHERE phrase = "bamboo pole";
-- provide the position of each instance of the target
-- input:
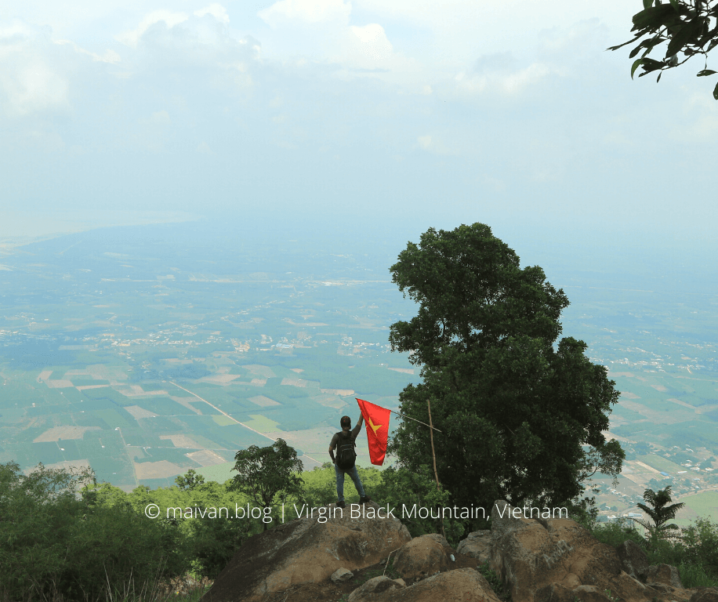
(433, 455)
(409, 417)
(415, 420)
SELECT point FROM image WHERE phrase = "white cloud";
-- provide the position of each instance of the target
(216, 10)
(170, 19)
(307, 11)
(436, 145)
(30, 80)
(110, 56)
(701, 118)
(424, 142)
(504, 83)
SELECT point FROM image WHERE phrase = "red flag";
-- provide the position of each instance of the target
(377, 429)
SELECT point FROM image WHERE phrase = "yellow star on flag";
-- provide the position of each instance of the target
(375, 427)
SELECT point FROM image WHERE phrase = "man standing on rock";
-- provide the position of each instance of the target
(345, 462)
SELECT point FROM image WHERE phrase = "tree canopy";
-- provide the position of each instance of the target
(265, 472)
(522, 416)
(685, 25)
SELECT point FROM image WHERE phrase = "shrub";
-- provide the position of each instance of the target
(54, 544)
(701, 541)
(616, 533)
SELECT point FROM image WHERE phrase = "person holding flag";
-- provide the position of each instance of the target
(345, 462)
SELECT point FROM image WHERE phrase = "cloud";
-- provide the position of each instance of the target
(306, 11)
(432, 144)
(216, 10)
(700, 122)
(31, 79)
(321, 31)
(502, 82)
(110, 56)
(170, 19)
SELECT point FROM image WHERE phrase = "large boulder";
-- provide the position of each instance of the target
(633, 559)
(307, 551)
(477, 545)
(705, 594)
(557, 560)
(664, 574)
(422, 556)
(461, 585)
(372, 589)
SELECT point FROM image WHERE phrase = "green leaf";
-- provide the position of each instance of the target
(636, 64)
(647, 3)
(715, 92)
(659, 77)
(651, 65)
(674, 4)
(652, 17)
(705, 72)
(681, 38)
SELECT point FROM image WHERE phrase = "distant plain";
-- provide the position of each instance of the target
(149, 350)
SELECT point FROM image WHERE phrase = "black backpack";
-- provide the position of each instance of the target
(346, 456)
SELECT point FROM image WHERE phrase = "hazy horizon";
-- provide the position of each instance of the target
(339, 113)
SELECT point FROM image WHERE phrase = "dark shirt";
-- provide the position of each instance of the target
(335, 438)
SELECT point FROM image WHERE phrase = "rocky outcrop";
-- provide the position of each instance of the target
(461, 585)
(633, 559)
(538, 560)
(477, 545)
(557, 560)
(705, 594)
(306, 551)
(421, 557)
(341, 575)
(664, 574)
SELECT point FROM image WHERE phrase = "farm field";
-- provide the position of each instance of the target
(145, 360)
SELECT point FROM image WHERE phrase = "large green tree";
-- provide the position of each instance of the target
(690, 28)
(263, 473)
(522, 413)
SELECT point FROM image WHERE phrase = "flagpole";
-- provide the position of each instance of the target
(433, 455)
(409, 417)
(415, 420)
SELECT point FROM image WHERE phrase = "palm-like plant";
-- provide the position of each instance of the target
(659, 511)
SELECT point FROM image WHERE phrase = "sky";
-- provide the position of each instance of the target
(346, 115)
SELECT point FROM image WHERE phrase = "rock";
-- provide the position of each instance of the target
(531, 555)
(559, 593)
(341, 575)
(705, 594)
(464, 585)
(372, 588)
(440, 539)
(477, 545)
(633, 559)
(664, 574)
(400, 581)
(306, 551)
(420, 557)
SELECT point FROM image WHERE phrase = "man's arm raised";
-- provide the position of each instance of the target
(357, 428)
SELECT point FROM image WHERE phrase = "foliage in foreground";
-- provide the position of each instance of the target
(53, 543)
(689, 27)
(694, 553)
(100, 545)
(64, 536)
